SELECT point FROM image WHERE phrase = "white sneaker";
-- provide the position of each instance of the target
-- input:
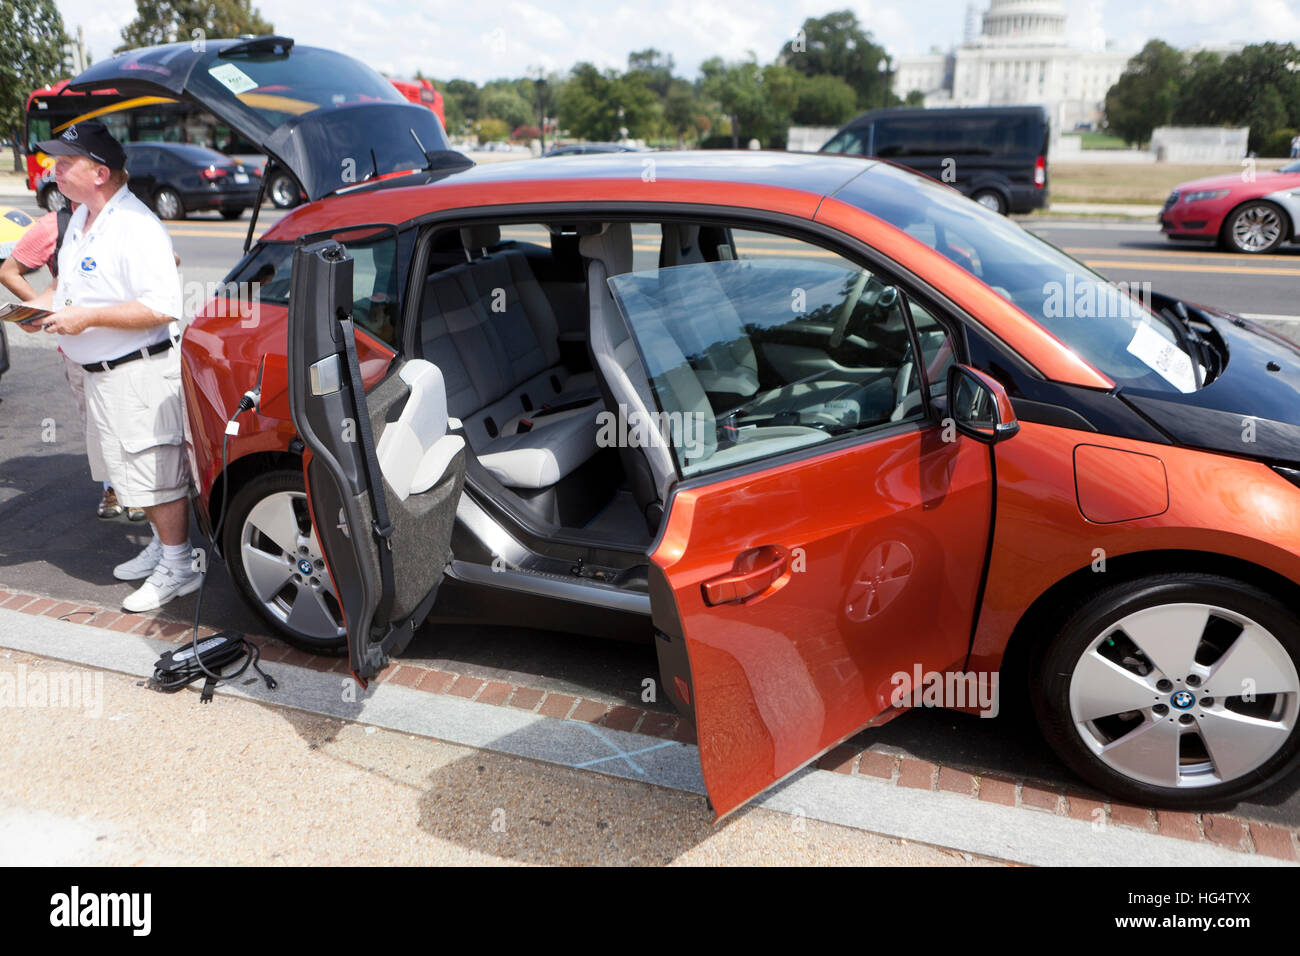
(164, 584)
(142, 565)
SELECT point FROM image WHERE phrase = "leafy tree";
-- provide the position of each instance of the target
(167, 21)
(491, 129)
(681, 110)
(1257, 87)
(824, 101)
(31, 56)
(914, 98)
(505, 103)
(1143, 97)
(837, 45)
(655, 69)
(758, 101)
(597, 106)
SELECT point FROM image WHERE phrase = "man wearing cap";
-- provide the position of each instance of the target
(116, 293)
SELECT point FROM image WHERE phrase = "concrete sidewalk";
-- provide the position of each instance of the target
(265, 759)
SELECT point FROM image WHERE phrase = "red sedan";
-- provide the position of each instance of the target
(1255, 212)
(838, 440)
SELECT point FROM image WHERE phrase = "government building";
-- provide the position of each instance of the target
(1017, 54)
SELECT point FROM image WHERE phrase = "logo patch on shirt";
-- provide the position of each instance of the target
(88, 264)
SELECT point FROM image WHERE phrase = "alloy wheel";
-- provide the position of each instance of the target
(283, 192)
(1257, 228)
(282, 559)
(168, 205)
(1184, 696)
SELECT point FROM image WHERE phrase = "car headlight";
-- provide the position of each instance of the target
(1205, 194)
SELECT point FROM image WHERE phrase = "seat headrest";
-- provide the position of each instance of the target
(680, 245)
(476, 238)
(611, 246)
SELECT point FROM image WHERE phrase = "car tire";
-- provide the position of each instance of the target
(1255, 228)
(1163, 750)
(167, 204)
(51, 200)
(266, 537)
(232, 213)
(283, 190)
(991, 199)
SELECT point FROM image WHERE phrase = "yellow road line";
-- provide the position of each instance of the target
(1181, 254)
(1188, 267)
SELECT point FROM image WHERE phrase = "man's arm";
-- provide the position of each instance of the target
(11, 277)
(125, 315)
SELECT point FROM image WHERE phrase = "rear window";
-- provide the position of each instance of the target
(198, 155)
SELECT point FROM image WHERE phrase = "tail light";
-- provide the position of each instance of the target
(212, 172)
(1040, 172)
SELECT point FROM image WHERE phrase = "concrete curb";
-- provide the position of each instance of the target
(894, 795)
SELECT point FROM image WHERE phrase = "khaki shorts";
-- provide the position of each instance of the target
(135, 433)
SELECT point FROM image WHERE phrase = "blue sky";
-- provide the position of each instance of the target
(492, 38)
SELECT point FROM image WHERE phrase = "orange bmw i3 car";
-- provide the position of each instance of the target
(818, 427)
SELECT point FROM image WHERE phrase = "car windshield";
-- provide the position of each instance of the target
(1106, 324)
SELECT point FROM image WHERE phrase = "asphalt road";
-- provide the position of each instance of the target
(52, 544)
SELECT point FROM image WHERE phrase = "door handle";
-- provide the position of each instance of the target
(753, 572)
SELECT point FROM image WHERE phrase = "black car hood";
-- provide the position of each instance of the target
(1251, 409)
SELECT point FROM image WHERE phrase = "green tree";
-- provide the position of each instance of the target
(655, 69)
(837, 45)
(914, 98)
(824, 101)
(758, 101)
(167, 21)
(503, 102)
(1143, 97)
(598, 105)
(31, 56)
(681, 110)
(1258, 87)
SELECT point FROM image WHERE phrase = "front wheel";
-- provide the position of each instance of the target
(283, 191)
(1176, 691)
(51, 199)
(1254, 228)
(277, 565)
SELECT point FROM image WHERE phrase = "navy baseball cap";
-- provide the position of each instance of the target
(88, 138)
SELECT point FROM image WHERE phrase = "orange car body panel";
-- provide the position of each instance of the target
(1218, 504)
(886, 537)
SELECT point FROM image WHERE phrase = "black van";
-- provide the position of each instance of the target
(996, 155)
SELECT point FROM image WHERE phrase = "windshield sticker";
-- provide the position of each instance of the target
(1163, 357)
(232, 78)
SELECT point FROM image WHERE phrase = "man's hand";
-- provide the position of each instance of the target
(70, 321)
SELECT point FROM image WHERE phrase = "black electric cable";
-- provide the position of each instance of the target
(168, 674)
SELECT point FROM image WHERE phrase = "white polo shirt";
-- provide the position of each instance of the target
(125, 256)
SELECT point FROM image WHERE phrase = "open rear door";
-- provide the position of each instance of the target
(383, 477)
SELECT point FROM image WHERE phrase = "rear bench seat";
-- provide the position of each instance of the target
(502, 367)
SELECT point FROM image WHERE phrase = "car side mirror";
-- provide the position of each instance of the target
(979, 405)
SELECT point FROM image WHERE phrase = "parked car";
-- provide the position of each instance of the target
(13, 223)
(178, 178)
(584, 149)
(995, 155)
(839, 426)
(1253, 214)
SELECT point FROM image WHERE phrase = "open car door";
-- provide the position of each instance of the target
(383, 476)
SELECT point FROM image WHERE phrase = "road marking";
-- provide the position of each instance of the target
(1188, 267)
(1175, 253)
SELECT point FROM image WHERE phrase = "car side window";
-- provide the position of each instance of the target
(375, 299)
(787, 345)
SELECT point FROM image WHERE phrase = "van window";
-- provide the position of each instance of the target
(851, 141)
(954, 135)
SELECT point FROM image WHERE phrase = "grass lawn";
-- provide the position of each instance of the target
(1102, 141)
(1132, 183)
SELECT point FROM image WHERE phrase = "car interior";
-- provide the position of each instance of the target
(589, 365)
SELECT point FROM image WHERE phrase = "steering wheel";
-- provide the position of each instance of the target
(846, 310)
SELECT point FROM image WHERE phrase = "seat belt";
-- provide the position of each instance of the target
(380, 524)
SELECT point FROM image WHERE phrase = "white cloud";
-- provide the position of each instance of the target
(496, 38)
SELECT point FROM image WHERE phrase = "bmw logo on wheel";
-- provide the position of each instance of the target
(305, 567)
(1183, 699)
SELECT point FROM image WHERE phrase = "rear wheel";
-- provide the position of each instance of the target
(1255, 227)
(277, 565)
(1177, 691)
(167, 204)
(991, 199)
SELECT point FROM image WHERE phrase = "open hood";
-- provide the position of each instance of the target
(330, 120)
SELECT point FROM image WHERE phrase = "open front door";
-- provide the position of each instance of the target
(383, 476)
(799, 591)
